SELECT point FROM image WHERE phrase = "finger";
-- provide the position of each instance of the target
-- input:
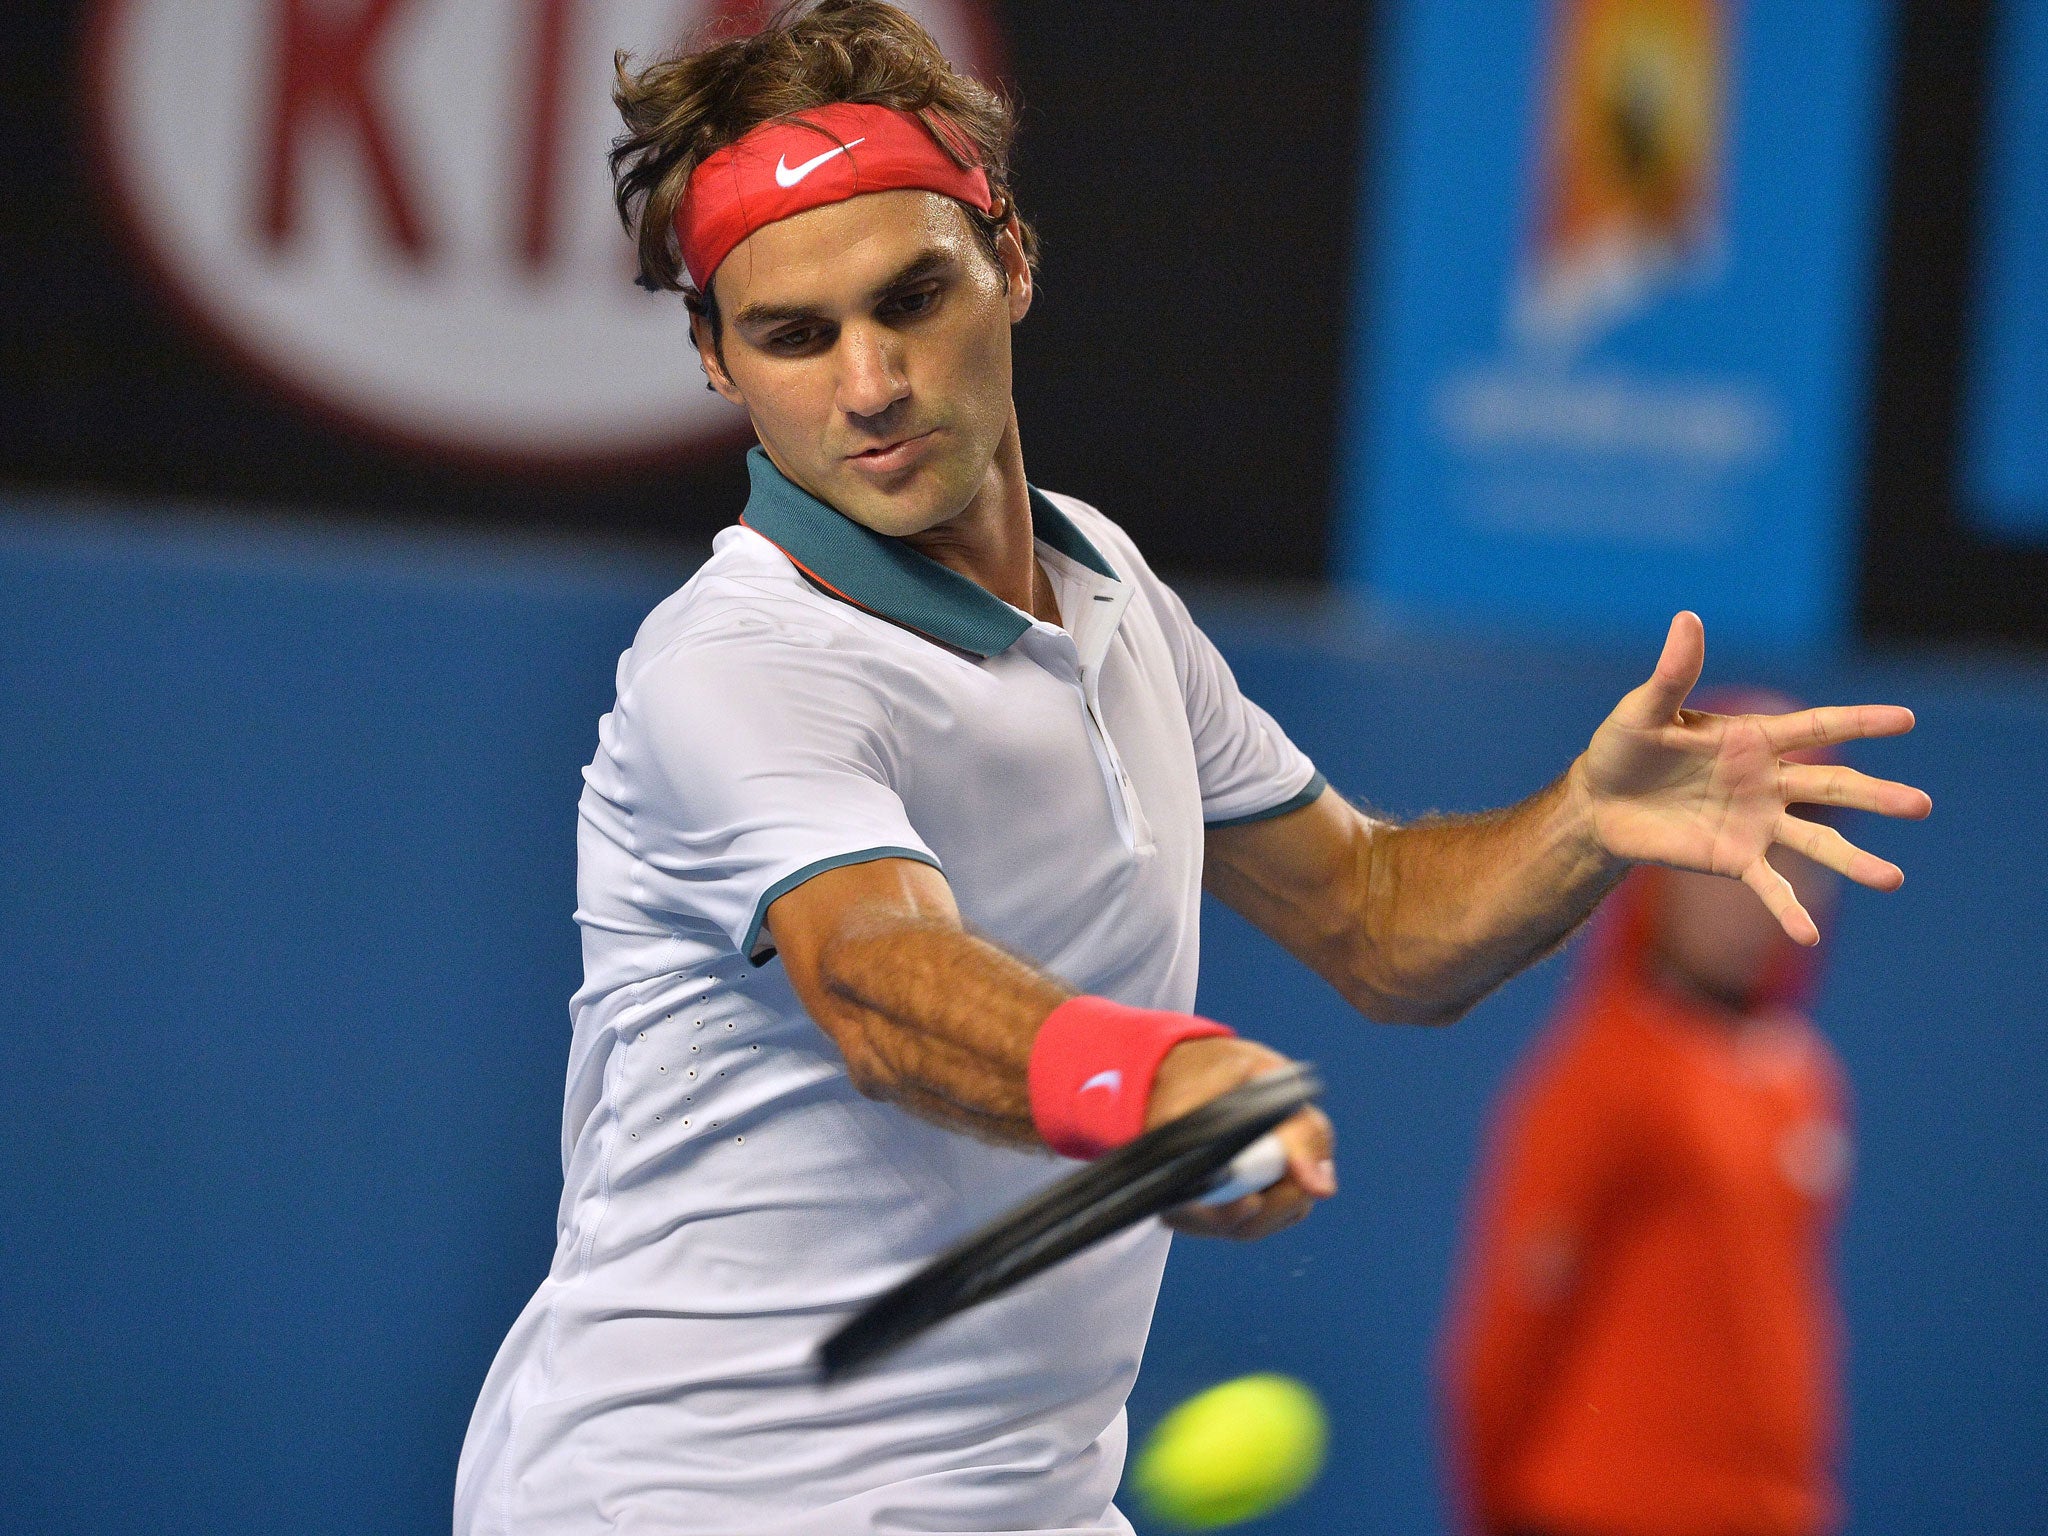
(1658, 701)
(1826, 846)
(1832, 784)
(1830, 724)
(1311, 1141)
(1276, 1216)
(1777, 895)
(1227, 1221)
(1247, 1218)
(1311, 1175)
(1274, 1209)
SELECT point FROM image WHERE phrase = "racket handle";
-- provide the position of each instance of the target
(1257, 1167)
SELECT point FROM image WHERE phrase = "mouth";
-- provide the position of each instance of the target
(885, 458)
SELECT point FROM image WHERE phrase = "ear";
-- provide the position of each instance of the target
(707, 354)
(1016, 270)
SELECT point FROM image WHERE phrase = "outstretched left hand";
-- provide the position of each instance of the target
(1668, 785)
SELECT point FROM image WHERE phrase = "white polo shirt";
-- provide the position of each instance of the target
(820, 695)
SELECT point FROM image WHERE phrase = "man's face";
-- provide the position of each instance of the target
(870, 342)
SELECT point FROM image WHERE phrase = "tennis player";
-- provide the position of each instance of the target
(891, 854)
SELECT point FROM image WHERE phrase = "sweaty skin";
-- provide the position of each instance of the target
(940, 1021)
(869, 341)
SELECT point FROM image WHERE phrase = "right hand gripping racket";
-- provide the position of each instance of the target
(1214, 1153)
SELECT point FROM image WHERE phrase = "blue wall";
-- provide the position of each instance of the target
(286, 852)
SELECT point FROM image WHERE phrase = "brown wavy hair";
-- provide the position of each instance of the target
(684, 108)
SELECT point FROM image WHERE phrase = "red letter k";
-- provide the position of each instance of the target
(323, 68)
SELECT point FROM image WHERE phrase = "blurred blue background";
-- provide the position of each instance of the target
(288, 866)
(292, 710)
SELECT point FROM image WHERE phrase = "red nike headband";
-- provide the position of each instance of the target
(822, 155)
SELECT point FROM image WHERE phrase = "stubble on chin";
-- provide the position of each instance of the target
(923, 503)
(894, 515)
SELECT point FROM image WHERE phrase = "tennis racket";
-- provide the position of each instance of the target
(1215, 1153)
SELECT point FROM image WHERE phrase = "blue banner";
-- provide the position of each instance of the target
(2005, 436)
(1618, 269)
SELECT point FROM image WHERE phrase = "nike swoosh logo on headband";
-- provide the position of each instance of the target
(787, 175)
(1113, 1080)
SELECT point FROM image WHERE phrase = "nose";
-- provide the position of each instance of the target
(871, 374)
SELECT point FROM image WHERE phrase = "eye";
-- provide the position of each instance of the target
(795, 340)
(915, 302)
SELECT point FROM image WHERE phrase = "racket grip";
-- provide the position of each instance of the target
(1257, 1167)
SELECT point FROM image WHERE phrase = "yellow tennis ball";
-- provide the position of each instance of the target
(1237, 1451)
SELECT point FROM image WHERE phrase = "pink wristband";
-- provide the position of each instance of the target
(1092, 1067)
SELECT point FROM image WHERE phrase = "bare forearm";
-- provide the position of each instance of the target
(943, 1023)
(1416, 924)
(940, 1021)
(1453, 906)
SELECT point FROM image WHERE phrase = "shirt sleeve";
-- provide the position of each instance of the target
(761, 764)
(1249, 769)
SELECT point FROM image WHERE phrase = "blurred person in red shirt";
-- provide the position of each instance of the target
(1645, 1337)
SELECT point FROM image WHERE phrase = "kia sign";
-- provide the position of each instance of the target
(398, 211)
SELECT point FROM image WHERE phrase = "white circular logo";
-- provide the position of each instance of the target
(399, 210)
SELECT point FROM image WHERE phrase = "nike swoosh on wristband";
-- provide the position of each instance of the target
(787, 175)
(1112, 1079)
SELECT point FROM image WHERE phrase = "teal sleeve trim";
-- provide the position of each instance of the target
(1307, 795)
(753, 949)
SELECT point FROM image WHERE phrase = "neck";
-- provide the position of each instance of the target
(990, 541)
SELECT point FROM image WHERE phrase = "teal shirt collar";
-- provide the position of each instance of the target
(888, 577)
